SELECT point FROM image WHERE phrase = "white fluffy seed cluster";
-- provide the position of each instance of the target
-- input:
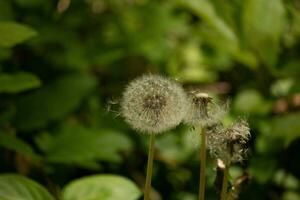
(203, 111)
(153, 104)
(229, 144)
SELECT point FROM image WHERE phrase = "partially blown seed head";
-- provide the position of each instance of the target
(153, 104)
(229, 144)
(202, 110)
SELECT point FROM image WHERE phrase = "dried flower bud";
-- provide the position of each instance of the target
(202, 110)
(153, 104)
(229, 144)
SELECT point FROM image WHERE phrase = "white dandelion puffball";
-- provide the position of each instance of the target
(229, 144)
(153, 104)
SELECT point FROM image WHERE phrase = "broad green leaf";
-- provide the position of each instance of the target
(16, 187)
(15, 144)
(52, 102)
(78, 145)
(101, 187)
(14, 83)
(12, 33)
(251, 102)
(263, 24)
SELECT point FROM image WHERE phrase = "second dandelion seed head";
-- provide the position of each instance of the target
(203, 111)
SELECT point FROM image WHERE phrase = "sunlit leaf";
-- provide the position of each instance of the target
(13, 187)
(104, 187)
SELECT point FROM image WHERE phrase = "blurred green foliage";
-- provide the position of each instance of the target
(63, 69)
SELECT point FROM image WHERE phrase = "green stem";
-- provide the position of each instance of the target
(224, 184)
(149, 168)
(202, 164)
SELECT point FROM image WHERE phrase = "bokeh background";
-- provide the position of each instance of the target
(64, 65)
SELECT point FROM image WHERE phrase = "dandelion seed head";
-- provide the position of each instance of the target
(153, 104)
(202, 110)
(237, 135)
(229, 144)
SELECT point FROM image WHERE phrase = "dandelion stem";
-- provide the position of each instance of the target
(202, 164)
(149, 167)
(224, 184)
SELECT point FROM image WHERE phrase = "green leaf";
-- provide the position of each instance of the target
(78, 145)
(52, 102)
(263, 24)
(104, 187)
(11, 142)
(21, 81)
(16, 187)
(251, 102)
(12, 33)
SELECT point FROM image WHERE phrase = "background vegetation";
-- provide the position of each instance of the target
(63, 68)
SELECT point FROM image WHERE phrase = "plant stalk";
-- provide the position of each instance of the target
(149, 167)
(224, 184)
(202, 164)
